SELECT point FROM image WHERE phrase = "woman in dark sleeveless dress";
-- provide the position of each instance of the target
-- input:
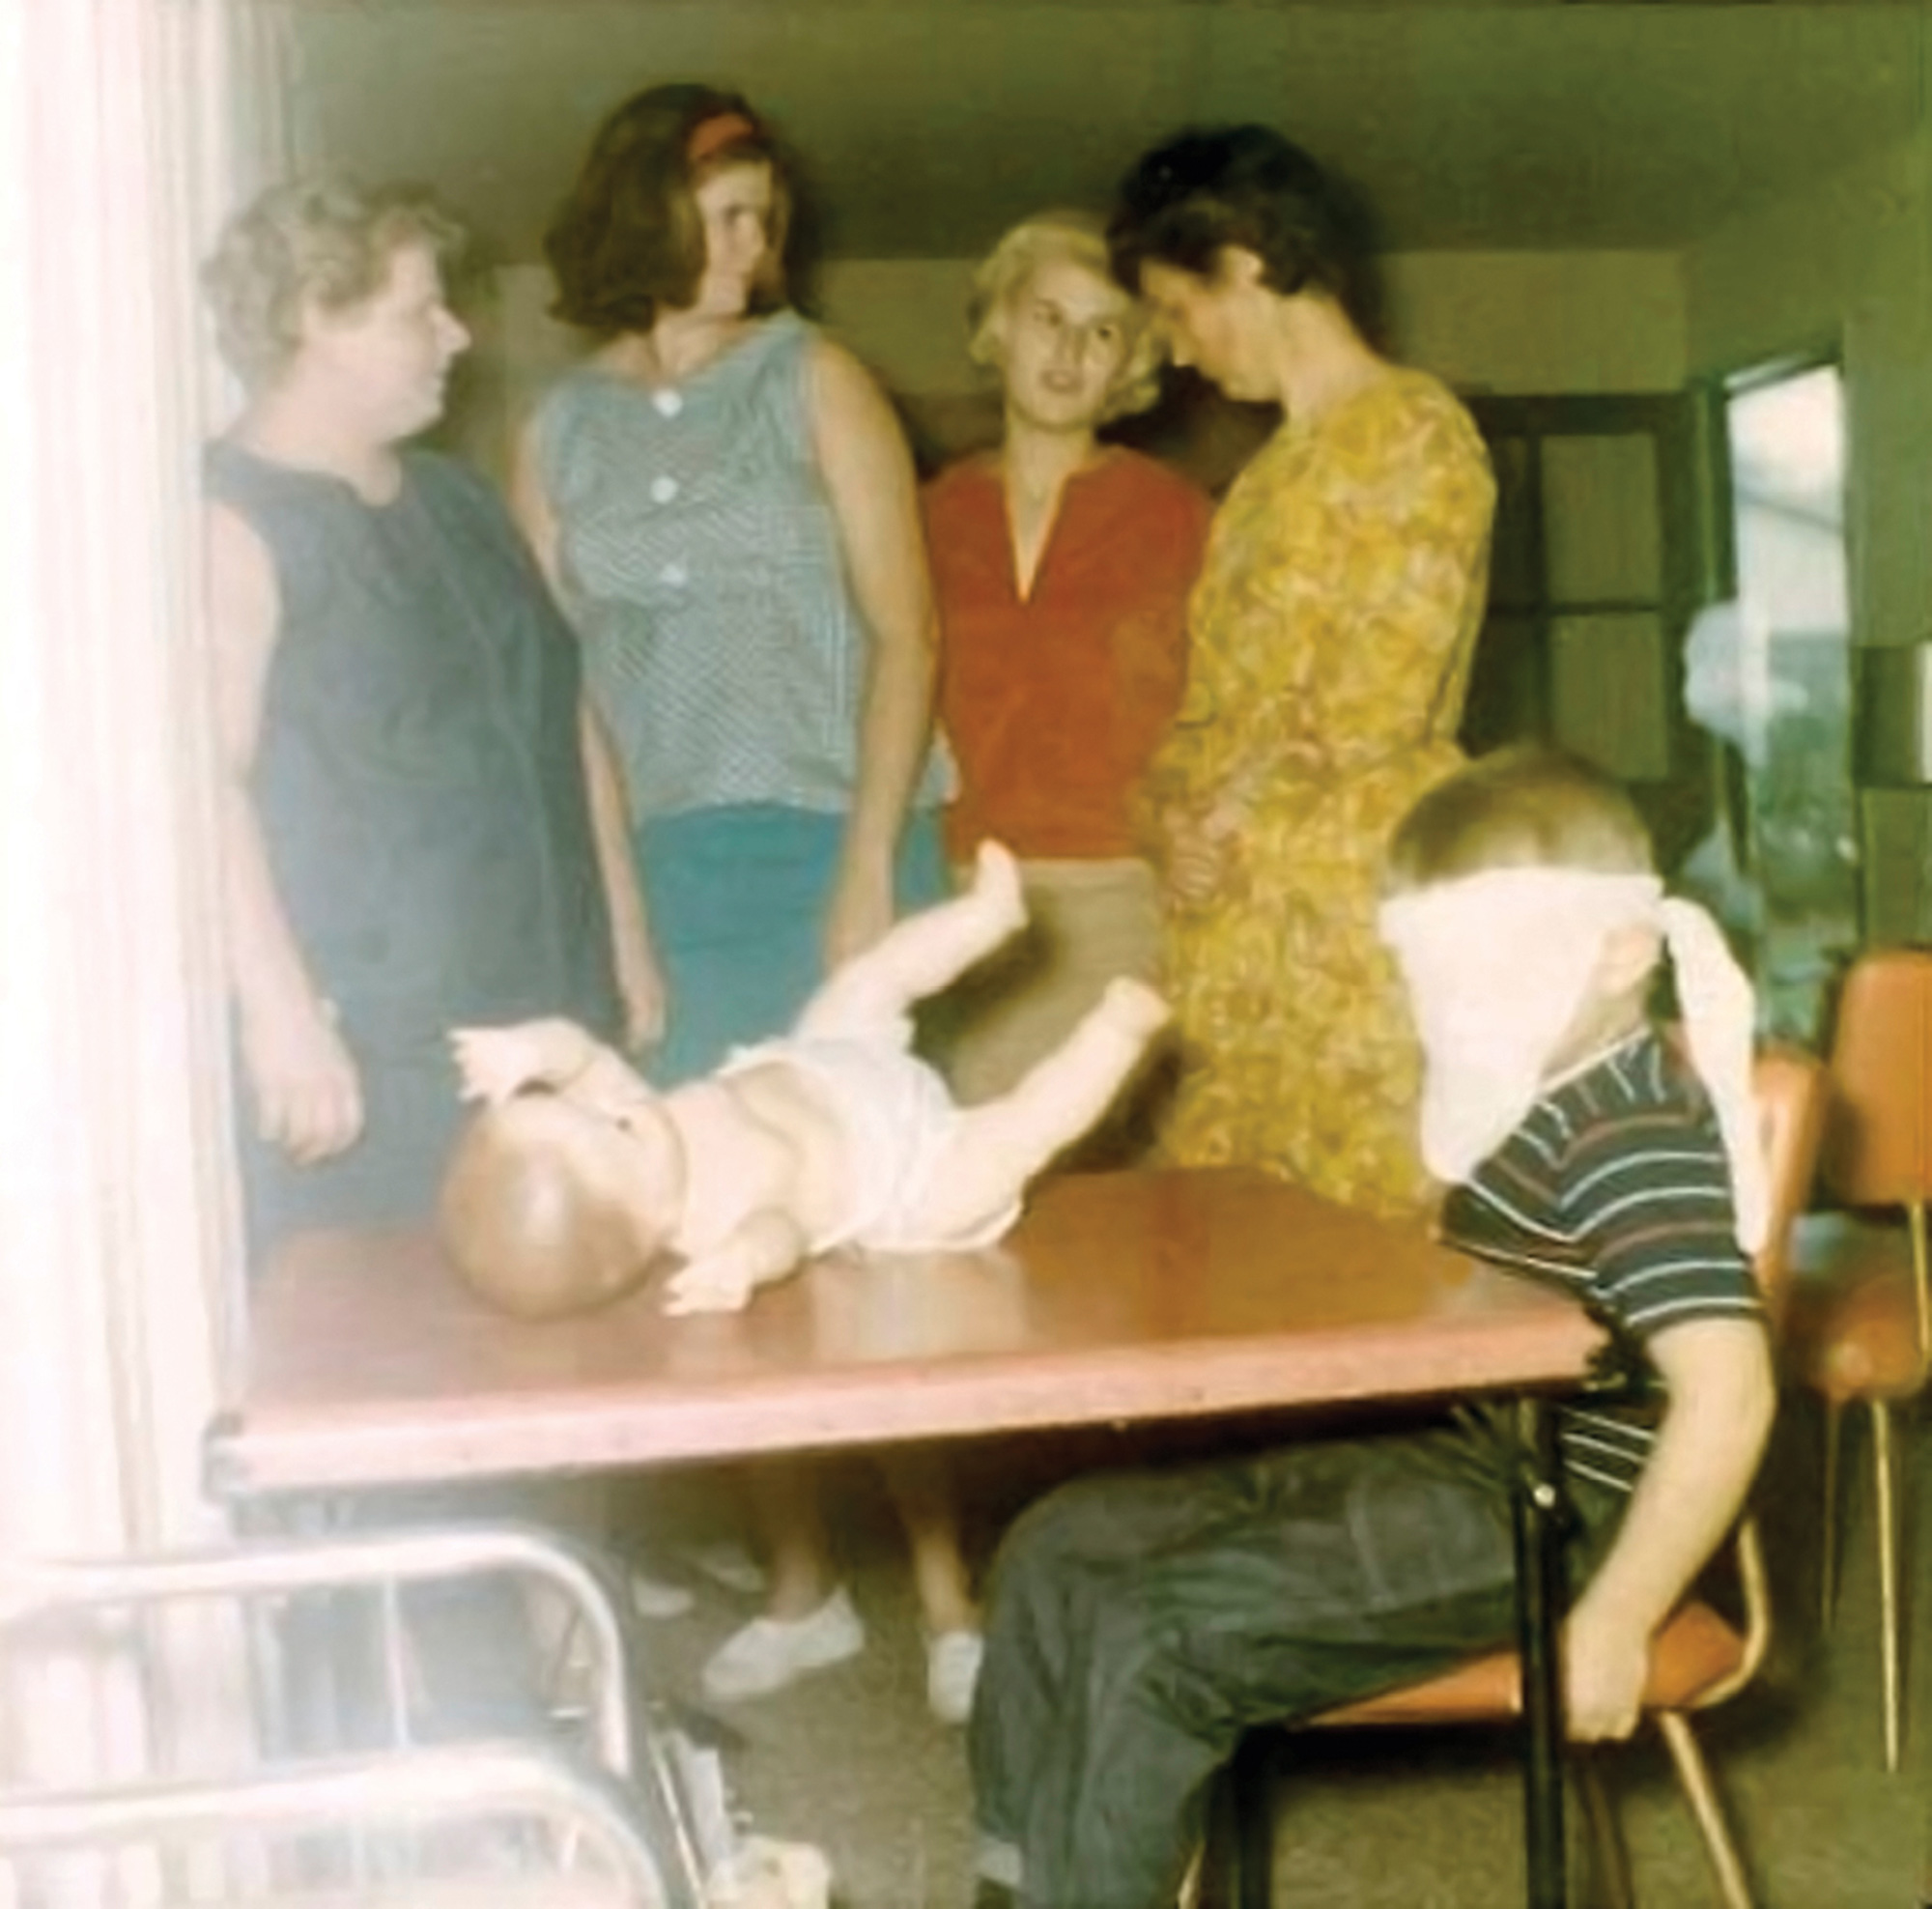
(406, 811)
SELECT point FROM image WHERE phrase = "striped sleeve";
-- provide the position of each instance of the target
(1647, 1197)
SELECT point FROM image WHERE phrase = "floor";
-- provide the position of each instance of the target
(850, 1760)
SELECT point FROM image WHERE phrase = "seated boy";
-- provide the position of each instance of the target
(836, 1134)
(1137, 1626)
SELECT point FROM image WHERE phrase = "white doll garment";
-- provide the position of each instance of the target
(900, 1120)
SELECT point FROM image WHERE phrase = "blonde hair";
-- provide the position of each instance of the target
(519, 1224)
(316, 241)
(1078, 239)
(1523, 807)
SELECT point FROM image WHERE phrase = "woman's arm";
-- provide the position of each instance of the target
(639, 983)
(308, 1097)
(867, 470)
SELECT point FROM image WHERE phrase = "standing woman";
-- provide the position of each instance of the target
(408, 838)
(726, 505)
(1333, 630)
(728, 508)
(1061, 568)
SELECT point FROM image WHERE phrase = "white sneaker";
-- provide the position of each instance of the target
(769, 1653)
(652, 1597)
(952, 1670)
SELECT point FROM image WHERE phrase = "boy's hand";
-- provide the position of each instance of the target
(1605, 1663)
(494, 1062)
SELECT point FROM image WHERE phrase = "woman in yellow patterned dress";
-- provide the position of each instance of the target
(1332, 631)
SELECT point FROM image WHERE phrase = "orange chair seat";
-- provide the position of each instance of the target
(1852, 1328)
(1697, 1650)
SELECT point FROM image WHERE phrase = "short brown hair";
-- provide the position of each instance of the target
(521, 1228)
(1524, 807)
(321, 240)
(628, 243)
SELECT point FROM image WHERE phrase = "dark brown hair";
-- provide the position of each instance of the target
(1247, 186)
(519, 1226)
(628, 243)
(1524, 807)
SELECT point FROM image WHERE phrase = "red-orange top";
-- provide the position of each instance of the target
(1054, 701)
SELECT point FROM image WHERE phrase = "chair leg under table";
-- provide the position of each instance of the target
(1702, 1795)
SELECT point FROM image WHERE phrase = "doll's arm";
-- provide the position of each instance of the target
(764, 1246)
(496, 1062)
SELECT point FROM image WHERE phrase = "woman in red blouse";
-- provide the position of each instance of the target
(1062, 567)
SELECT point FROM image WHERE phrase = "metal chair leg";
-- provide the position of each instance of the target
(1702, 1796)
(1889, 1639)
(1609, 1860)
(1828, 1550)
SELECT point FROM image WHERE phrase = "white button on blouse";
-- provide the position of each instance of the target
(675, 575)
(663, 488)
(668, 403)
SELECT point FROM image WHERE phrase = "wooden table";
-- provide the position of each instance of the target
(1119, 1298)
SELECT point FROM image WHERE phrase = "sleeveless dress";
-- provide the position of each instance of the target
(701, 562)
(1333, 628)
(419, 787)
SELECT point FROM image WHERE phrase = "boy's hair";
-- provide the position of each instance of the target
(519, 1224)
(1524, 807)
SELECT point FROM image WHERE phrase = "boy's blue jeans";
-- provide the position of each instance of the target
(1138, 1625)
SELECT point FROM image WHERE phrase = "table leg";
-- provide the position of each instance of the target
(1537, 1507)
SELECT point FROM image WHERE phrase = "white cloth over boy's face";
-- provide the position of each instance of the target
(1499, 966)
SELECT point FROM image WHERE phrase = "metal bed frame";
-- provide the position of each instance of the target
(626, 1793)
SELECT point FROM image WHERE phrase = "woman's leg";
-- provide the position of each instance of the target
(921, 1487)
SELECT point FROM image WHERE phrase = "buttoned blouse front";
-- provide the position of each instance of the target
(701, 562)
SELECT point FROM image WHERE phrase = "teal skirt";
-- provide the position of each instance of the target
(737, 901)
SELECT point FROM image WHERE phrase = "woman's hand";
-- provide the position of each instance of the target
(1200, 855)
(640, 992)
(308, 1095)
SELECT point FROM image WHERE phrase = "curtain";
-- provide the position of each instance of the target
(128, 127)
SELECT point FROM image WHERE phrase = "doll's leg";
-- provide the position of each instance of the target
(921, 955)
(1000, 1145)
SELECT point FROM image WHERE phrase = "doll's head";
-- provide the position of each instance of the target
(543, 1211)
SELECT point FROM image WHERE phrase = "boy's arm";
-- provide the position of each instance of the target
(764, 1246)
(1721, 1399)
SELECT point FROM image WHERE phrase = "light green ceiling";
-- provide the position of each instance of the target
(928, 125)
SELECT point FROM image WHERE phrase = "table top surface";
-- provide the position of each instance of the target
(1118, 1296)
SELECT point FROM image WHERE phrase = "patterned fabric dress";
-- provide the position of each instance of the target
(1333, 628)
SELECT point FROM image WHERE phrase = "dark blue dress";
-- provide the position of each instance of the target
(420, 784)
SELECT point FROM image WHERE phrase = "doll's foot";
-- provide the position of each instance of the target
(996, 882)
(1134, 1008)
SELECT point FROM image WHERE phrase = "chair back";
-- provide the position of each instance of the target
(1878, 1133)
(1791, 1089)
